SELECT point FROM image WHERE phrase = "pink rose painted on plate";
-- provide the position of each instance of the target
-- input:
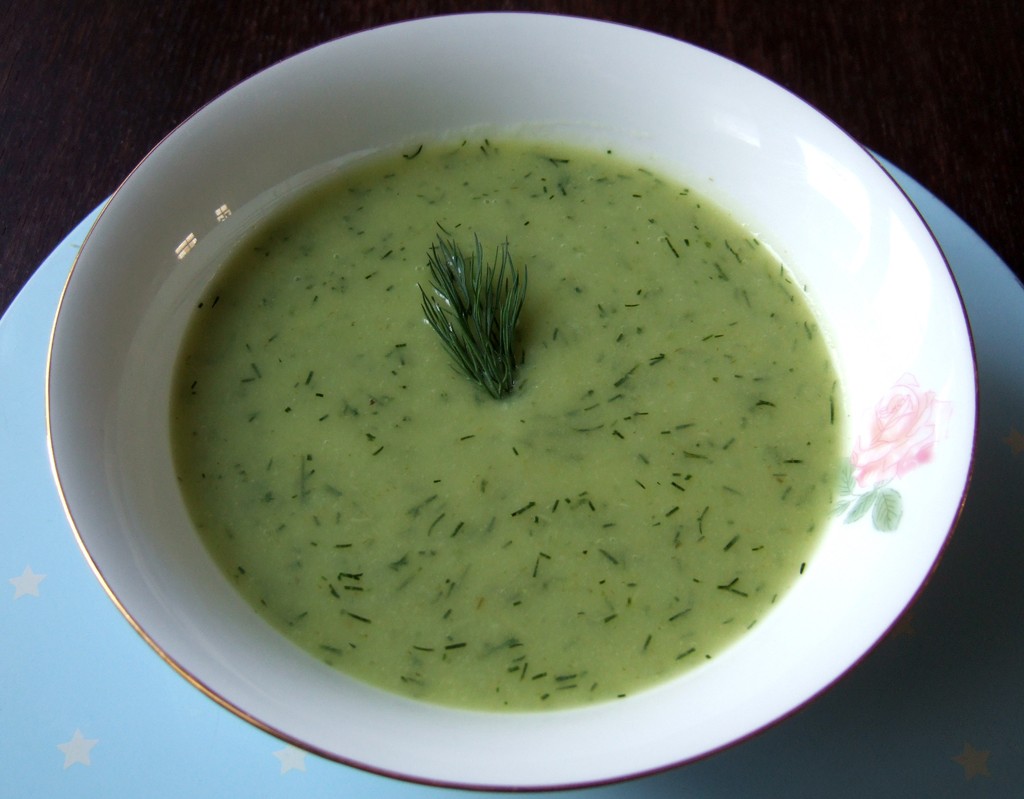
(902, 433)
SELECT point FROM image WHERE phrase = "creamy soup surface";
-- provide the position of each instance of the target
(660, 476)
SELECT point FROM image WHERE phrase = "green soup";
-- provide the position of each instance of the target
(658, 479)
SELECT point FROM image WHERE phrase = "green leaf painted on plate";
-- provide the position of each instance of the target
(846, 482)
(888, 510)
(862, 506)
(841, 505)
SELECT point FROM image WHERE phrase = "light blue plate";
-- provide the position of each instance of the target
(87, 709)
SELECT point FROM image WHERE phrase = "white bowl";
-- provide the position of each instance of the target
(871, 267)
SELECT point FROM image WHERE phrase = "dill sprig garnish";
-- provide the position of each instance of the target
(474, 308)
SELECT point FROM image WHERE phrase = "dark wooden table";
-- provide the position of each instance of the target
(87, 87)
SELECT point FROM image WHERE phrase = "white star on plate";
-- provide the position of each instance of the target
(974, 761)
(291, 758)
(77, 749)
(27, 583)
